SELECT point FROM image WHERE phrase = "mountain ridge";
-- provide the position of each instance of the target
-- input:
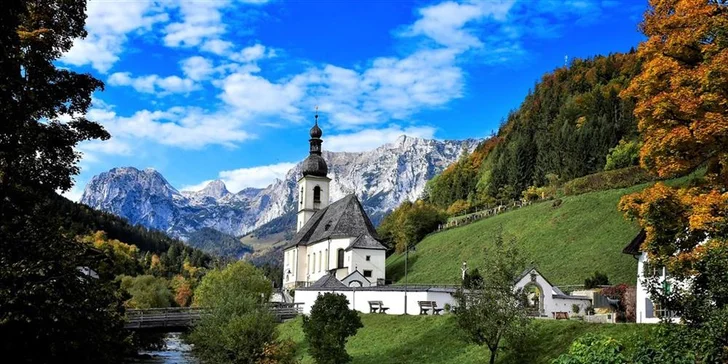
(382, 178)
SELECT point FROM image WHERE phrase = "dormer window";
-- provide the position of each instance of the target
(317, 194)
(327, 226)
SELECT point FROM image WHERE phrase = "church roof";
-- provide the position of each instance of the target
(344, 218)
(328, 281)
(366, 241)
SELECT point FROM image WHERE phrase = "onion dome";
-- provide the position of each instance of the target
(316, 131)
(315, 165)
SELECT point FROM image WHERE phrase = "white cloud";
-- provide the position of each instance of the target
(108, 23)
(217, 46)
(197, 68)
(239, 179)
(153, 83)
(445, 23)
(255, 94)
(202, 25)
(186, 128)
(253, 54)
(369, 139)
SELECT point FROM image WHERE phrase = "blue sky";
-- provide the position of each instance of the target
(226, 89)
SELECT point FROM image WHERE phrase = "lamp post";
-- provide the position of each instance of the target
(406, 255)
(406, 258)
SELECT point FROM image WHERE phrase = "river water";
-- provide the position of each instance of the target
(176, 351)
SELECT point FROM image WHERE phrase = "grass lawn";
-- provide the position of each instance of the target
(437, 339)
(567, 243)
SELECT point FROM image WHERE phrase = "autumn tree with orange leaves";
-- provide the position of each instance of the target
(681, 100)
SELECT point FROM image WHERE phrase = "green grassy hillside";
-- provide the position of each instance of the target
(437, 339)
(567, 243)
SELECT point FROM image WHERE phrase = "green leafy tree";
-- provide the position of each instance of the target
(328, 327)
(51, 312)
(239, 326)
(410, 223)
(625, 154)
(597, 279)
(494, 310)
(147, 292)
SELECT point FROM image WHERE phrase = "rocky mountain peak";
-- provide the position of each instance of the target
(215, 189)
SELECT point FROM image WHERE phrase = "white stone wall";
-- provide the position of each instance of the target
(395, 300)
(566, 305)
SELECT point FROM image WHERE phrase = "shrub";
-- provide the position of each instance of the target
(591, 349)
(601, 181)
(458, 207)
(575, 309)
(625, 154)
(596, 280)
(280, 352)
(328, 327)
(531, 193)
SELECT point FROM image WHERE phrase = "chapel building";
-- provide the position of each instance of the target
(332, 239)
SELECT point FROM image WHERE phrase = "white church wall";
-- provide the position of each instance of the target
(322, 257)
(375, 263)
(395, 300)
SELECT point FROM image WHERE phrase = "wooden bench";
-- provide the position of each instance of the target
(427, 305)
(561, 315)
(375, 306)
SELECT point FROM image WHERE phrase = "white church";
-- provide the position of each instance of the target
(336, 249)
(332, 239)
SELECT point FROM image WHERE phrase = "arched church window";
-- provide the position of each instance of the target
(317, 194)
(340, 258)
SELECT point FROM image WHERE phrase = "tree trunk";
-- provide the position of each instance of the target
(492, 356)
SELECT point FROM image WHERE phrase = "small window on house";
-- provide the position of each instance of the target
(368, 273)
(328, 226)
(317, 194)
(300, 197)
(369, 257)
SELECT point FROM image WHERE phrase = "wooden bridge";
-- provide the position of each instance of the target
(181, 318)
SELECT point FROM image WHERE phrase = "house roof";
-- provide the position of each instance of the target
(343, 218)
(633, 248)
(328, 281)
(355, 275)
(366, 241)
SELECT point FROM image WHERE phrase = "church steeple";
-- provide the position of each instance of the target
(313, 186)
(315, 165)
(315, 141)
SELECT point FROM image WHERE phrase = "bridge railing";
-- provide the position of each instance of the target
(186, 316)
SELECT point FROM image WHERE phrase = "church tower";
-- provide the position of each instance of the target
(313, 186)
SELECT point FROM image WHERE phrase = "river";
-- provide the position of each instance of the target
(176, 351)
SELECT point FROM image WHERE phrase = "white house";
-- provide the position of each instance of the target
(545, 299)
(337, 237)
(647, 311)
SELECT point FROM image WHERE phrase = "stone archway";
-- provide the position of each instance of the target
(534, 298)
